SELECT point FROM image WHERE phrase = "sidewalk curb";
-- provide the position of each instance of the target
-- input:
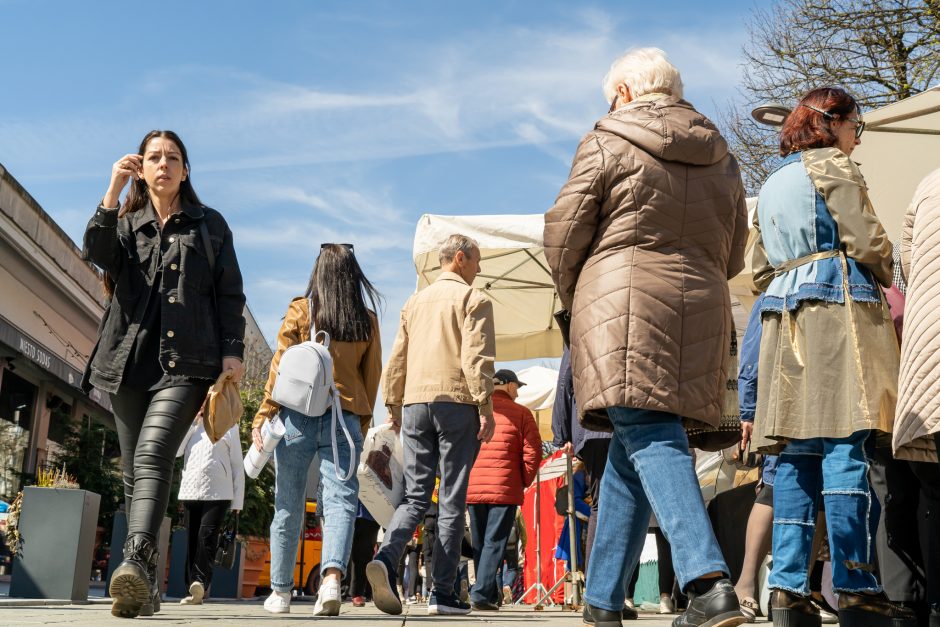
(50, 602)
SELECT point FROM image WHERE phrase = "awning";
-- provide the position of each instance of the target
(515, 276)
(48, 361)
(900, 146)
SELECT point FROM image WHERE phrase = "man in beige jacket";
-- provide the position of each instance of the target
(438, 386)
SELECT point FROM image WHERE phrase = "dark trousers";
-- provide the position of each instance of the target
(365, 534)
(435, 436)
(150, 427)
(897, 542)
(490, 526)
(667, 575)
(203, 527)
(594, 455)
(929, 476)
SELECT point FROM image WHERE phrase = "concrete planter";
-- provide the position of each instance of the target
(57, 530)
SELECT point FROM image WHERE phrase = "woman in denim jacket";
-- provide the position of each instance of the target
(828, 368)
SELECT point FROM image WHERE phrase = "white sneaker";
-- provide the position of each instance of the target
(666, 605)
(328, 600)
(278, 602)
(196, 594)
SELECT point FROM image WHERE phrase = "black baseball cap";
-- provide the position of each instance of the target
(502, 377)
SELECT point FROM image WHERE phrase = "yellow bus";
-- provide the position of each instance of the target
(308, 555)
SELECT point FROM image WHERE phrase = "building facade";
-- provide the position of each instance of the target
(51, 302)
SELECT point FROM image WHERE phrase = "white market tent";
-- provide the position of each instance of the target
(901, 145)
(514, 276)
(538, 394)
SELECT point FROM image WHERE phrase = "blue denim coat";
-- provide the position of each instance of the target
(796, 222)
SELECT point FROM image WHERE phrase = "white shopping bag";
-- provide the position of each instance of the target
(381, 473)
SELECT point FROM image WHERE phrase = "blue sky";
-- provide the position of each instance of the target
(309, 122)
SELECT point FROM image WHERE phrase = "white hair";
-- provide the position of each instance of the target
(644, 71)
(454, 244)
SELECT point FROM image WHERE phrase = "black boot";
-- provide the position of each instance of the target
(599, 617)
(153, 606)
(130, 585)
(858, 609)
(718, 607)
(793, 610)
(935, 616)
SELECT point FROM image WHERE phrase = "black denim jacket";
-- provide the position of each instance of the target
(197, 329)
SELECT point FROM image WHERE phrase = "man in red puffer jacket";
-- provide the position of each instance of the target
(505, 466)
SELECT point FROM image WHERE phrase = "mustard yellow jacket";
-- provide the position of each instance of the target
(357, 366)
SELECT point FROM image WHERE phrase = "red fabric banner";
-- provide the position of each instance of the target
(546, 538)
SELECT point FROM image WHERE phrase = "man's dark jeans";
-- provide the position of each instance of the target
(489, 529)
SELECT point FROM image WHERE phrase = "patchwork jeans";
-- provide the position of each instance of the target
(835, 469)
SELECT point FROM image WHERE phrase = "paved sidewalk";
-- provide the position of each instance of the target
(251, 613)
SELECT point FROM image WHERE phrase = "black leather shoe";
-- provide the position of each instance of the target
(599, 617)
(793, 610)
(130, 585)
(483, 606)
(629, 613)
(935, 617)
(719, 607)
(872, 610)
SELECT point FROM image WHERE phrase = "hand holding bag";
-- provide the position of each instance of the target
(222, 408)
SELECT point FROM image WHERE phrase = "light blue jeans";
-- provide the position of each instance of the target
(306, 437)
(649, 468)
(837, 470)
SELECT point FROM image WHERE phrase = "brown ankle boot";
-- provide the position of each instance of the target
(860, 609)
(793, 610)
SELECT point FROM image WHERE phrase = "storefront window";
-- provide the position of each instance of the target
(17, 397)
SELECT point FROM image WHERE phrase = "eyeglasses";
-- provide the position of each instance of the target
(349, 247)
(859, 124)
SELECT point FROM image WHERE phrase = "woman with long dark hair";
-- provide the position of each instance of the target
(335, 302)
(173, 322)
(828, 366)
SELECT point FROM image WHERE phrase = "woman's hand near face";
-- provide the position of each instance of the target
(123, 170)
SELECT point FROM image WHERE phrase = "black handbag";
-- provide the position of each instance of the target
(728, 431)
(563, 319)
(225, 553)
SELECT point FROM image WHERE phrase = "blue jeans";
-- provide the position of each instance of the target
(306, 437)
(836, 469)
(489, 530)
(649, 468)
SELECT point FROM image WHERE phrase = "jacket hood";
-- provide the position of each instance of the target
(668, 128)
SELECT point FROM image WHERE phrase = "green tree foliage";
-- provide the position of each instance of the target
(90, 453)
(881, 51)
(255, 519)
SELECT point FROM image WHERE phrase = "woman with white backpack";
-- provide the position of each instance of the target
(342, 324)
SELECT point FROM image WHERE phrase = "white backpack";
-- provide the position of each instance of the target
(305, 384)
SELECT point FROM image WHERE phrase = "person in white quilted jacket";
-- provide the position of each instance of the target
(213, 482)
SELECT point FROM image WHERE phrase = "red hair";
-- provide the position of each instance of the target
(807, 128)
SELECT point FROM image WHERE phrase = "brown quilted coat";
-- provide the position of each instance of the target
(641, 242)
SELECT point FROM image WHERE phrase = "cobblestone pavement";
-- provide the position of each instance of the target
(251, 613)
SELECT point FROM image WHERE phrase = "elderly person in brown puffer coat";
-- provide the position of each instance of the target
(641, 242)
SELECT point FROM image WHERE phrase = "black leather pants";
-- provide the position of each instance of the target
(151, 426)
